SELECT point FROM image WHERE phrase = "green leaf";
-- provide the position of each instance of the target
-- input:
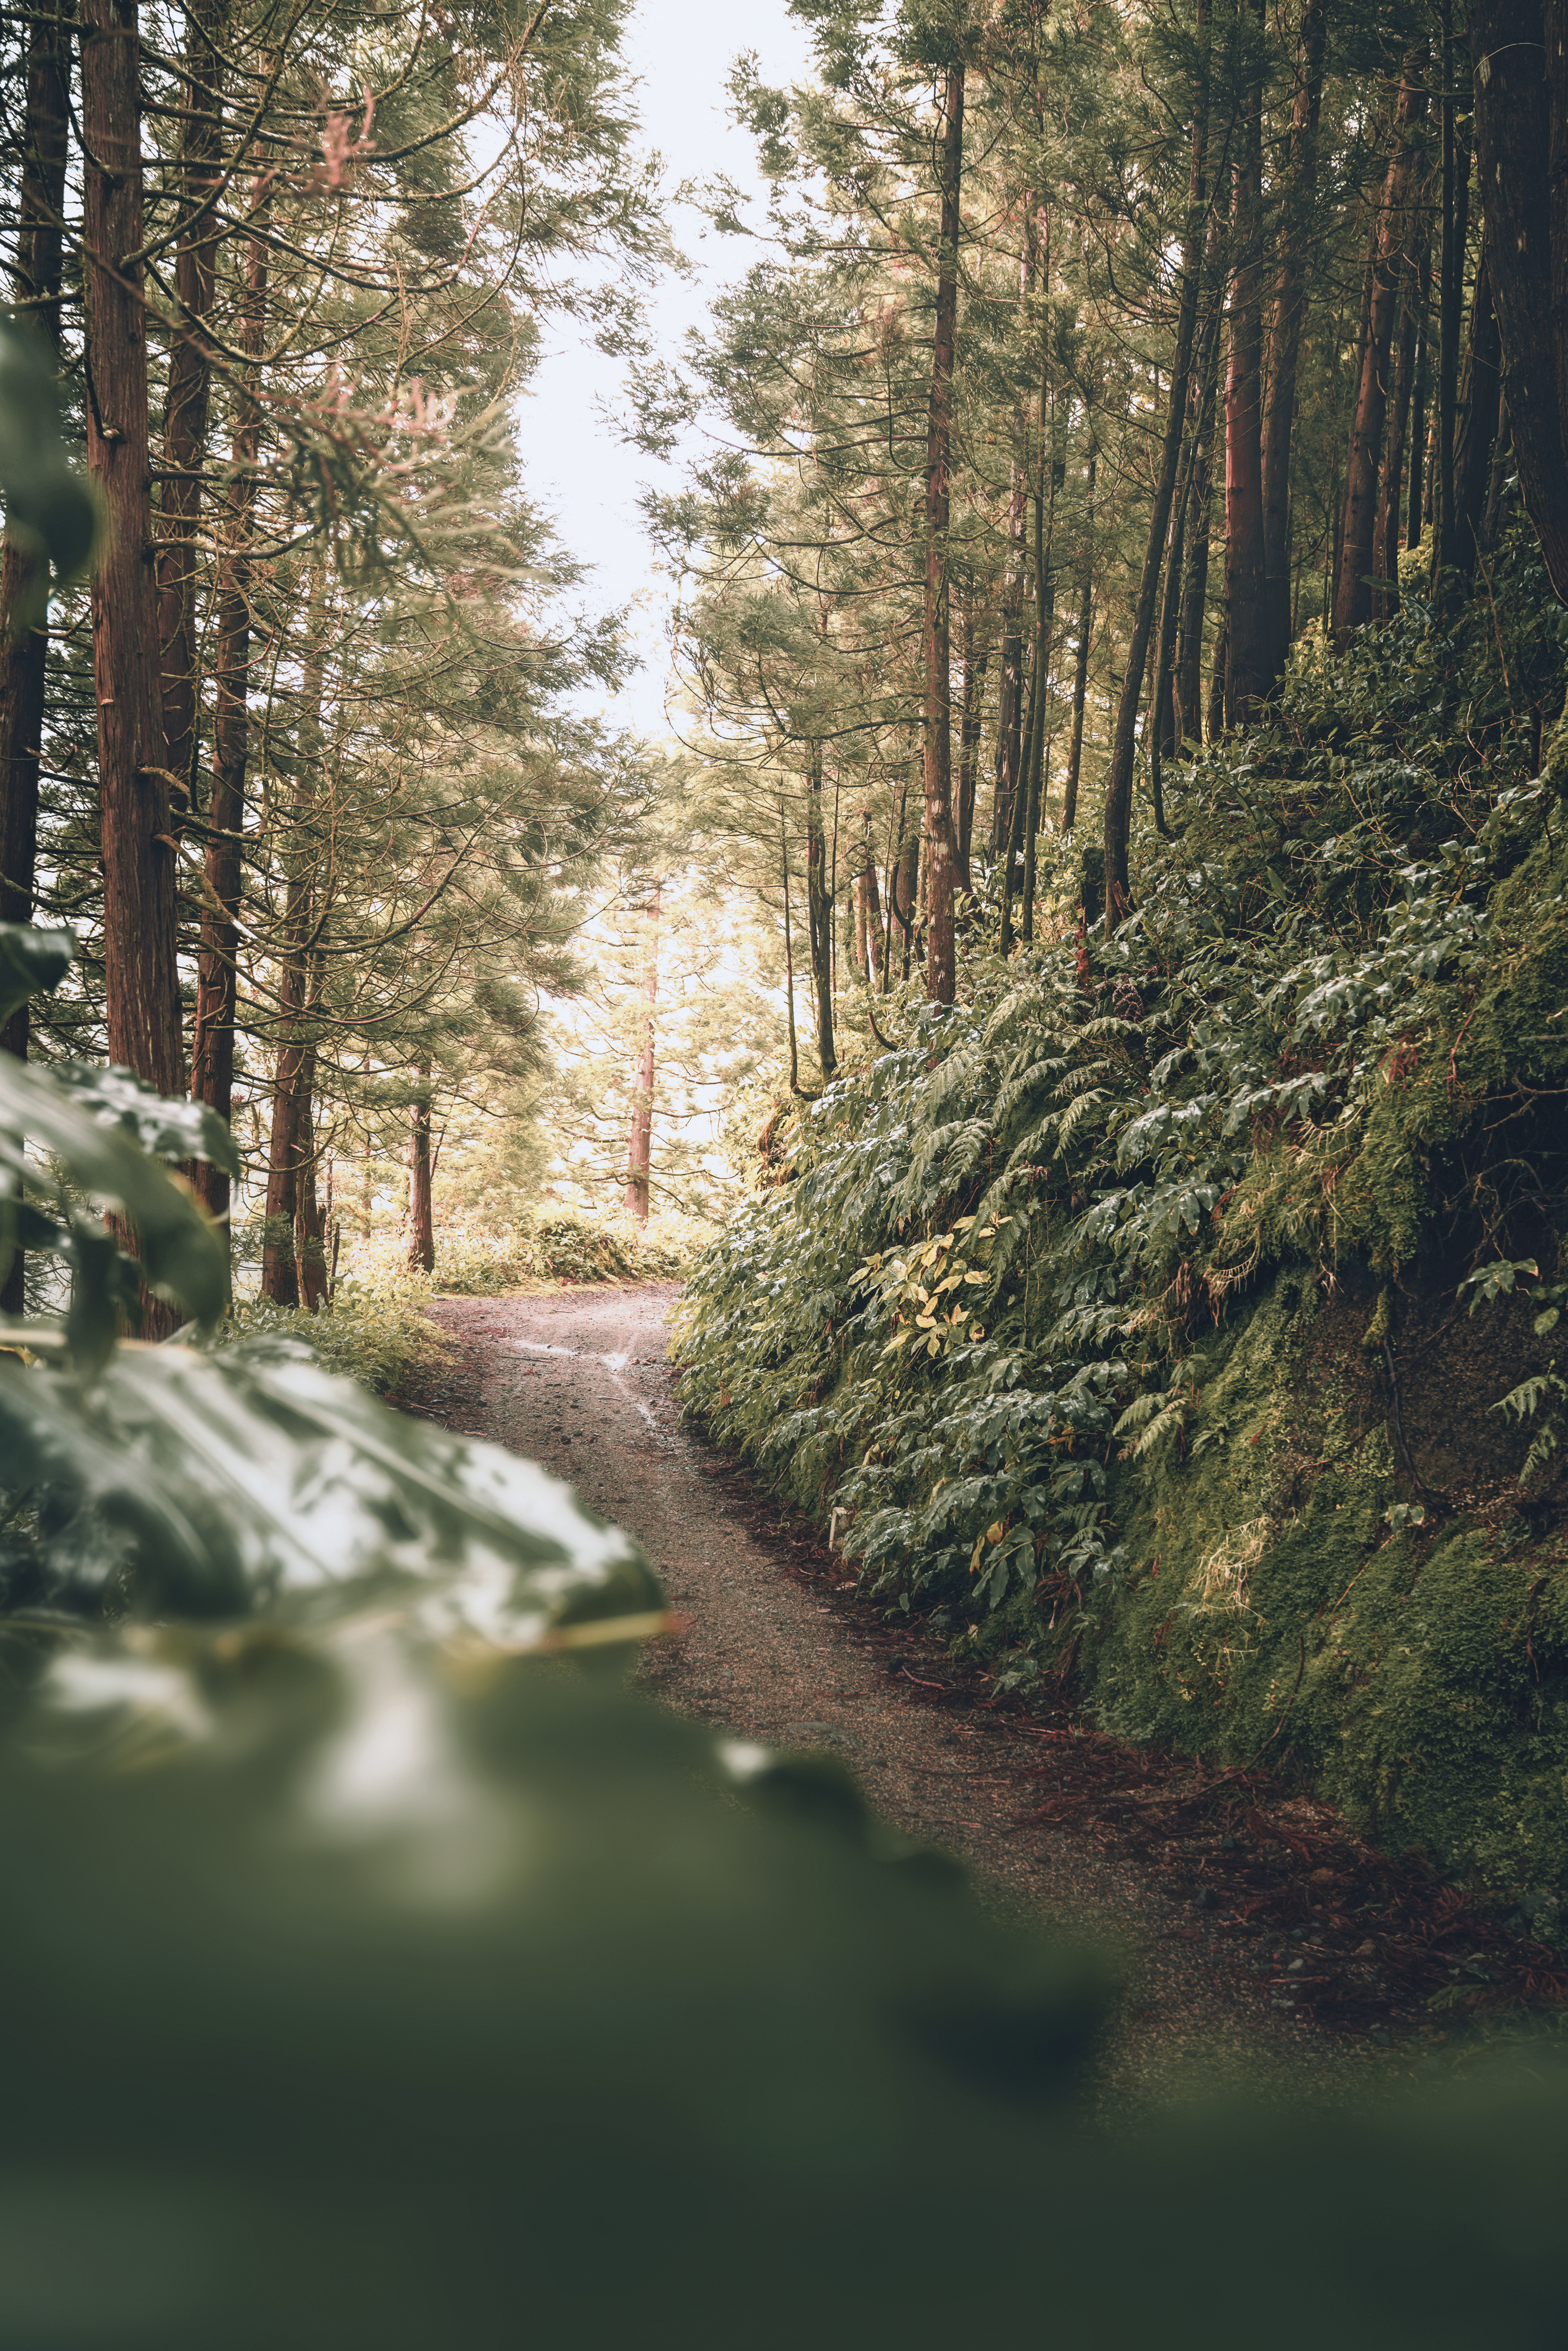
(32, 963)
(210, 1485)
(182, 1254)
(171, 1127)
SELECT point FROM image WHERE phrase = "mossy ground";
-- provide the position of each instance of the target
(1279, 1603)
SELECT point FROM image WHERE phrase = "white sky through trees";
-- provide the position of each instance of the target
(682, 52)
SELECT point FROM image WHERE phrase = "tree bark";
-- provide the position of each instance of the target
(1420, 390)
(1010, 695)
(310, 1217)
(23, 646)
(421, 1211)
(1286, 327)
(1080, 696)
(871, 905)
(1391, 496)
(1195, 587)
(1491, 529)
(212, 1046)
(141, 982)
(975, 658)
(1456, 232)
(1119, 780)
(1478, 424)
(941, 976)
(1080, 669)
(289, 1144)
(1520, 114)
(640, 1140)
(819, 914)
(789, 959)
(1249, 673)
(189, 391)
(1353, 592)
(35, 299)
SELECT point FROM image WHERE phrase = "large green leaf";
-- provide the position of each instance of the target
(173, 1127)
(32, 963)
(212, 1485)
(48, 506)
(182, 1254)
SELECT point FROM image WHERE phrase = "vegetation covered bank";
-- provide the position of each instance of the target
(1177, 1315)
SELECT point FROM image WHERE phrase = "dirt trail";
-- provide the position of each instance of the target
(776, 1647)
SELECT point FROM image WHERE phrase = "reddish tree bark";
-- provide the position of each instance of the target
(1521, 139)
(1249, 662)
(141, 982)
(819, 914)
(1478, 424)
(871, 905)
(975, 658)
(213, 1049)
(1391, 495)
(23, 649)
(190, 382)
(289, 1145)
(1119, 780)
(1285, 329)
(421, 1207)
(941, 973)
(1353, 592)
(309, 1215)
(640, 1141)
(1080, 684)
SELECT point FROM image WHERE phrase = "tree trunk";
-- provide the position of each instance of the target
(819, 914)
(421, 1212)
(1194, 588)
(1119, 780)
(280, 1266)
(1391, 492)
(1080, 669)
(1457, 122)
(1216, 684)
(310, 1217)
(289, 1142)
(1010, 693)
(1046, 609)
(1390, 511)
(1478, 423)
(142, 981)
(941, 977)
(1285, 334)
(789, 960)
(1249, 673)
(871, 905)
(1009, 689)
(1519, 113)
(1491, 529)
(640, 1141)
(975, 658)
(212, 1046)
(1080, 695)
(1421, 388)
(23, 649)
(190, 382)
(1017, 829)
(1353, 592)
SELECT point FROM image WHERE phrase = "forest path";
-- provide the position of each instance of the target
(774, 1646)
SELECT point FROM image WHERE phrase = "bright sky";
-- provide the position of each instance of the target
(681, 52)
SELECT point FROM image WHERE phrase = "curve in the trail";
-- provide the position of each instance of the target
(773, 1646)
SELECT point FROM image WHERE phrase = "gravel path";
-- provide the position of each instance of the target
(775, 1646)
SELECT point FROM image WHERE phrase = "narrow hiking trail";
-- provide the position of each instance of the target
(774, 1646)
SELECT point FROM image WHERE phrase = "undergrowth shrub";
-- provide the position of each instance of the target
(377, 1331)
(979, 1318)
